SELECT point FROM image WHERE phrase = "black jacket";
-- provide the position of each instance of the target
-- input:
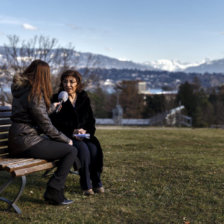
(29, 119)
(81, 116)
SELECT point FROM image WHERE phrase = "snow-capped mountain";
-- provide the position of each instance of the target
(210, 66)
(172, 65)
(82, 59)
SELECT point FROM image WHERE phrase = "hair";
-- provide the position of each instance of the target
(74, 74)
(38, 74)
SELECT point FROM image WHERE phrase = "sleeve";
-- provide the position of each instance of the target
(88, 121)
(39, 113)
(52, 109)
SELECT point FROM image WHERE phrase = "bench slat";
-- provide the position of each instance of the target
(5, 108)
(29, 170)
(4, 128)
(4, 143)
(6, 162)
(3, 157)
(5, 121)
(5, 114)
(4, 150)
(4, 135)
(22, 165)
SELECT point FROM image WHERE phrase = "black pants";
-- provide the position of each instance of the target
(89, 174)
(52, 150)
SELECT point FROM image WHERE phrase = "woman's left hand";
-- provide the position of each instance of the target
(79, 131)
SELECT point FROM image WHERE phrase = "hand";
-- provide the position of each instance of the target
(70, 142)
(81, 131)
(56, 104)
(76, 131)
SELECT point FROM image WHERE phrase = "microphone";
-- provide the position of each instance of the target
(87, 135)
(62, 97)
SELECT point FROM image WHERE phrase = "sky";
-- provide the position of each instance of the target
(137, 30)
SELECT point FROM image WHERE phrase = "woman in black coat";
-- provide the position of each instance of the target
(32, 133)
(76, 117)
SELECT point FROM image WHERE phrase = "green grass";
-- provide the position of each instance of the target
(150, 176)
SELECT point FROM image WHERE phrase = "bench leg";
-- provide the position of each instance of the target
(12, 203)
(49, 172)
(76, 172)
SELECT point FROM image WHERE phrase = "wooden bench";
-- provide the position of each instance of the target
(17, 167)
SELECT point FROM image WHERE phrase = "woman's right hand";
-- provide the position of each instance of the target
(70, 142)
(57, 106)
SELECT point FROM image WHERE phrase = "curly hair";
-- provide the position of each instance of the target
(74, 74)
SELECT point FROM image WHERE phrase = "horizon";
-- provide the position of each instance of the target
(143, 31)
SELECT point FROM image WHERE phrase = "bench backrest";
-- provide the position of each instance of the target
(5, 123)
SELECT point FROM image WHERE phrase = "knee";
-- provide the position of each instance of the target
(93, 151)
(83, 152)
(73, 151)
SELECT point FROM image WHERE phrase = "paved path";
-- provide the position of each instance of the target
(133, 127)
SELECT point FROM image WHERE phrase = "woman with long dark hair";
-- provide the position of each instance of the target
(32, 133)
(76, 117)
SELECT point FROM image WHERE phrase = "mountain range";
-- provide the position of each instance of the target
(104, 62)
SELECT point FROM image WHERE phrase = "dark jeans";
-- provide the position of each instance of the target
(52, 150)
(89, 175)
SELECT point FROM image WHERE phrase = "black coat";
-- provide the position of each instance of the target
(29, 119)
(70, 118)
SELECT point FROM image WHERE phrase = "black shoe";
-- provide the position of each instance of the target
(66, 202)
(56, 197)
(53, 196)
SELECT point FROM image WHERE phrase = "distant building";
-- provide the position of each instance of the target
(143, 90)
(142, 87)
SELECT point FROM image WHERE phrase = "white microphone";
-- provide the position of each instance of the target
(87, 135)
(62, 97)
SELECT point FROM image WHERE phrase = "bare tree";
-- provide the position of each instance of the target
(20, 53)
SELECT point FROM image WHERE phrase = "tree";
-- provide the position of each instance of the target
(20, 53)
(154, 104)
(197, 104)
(216, 98)
(204, 114)
(129, 99)
(186, 96)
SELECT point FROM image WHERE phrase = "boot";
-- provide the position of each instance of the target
(65, 201)
(56, 197)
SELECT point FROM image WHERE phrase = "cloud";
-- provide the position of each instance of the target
(8, 21)
(16, 21)
(27, 26)
(109, 49)
(74, 27)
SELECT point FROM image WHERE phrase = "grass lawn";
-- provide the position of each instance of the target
(150, 176)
